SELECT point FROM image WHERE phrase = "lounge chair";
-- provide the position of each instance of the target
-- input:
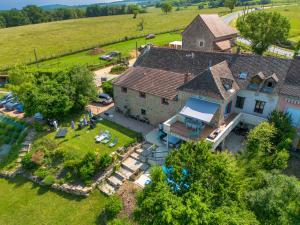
(114, 142)
(103, 136)
(106, 140)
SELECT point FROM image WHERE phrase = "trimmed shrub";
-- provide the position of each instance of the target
(27, 163)
(113, 207)
(49, 180)
(118, 69)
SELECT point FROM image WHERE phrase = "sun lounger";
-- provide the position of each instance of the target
(114, 142)
(103, 136)
(106, 140)
(61, 133)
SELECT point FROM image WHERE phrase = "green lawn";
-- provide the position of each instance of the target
(293, 14)
(80, 142)
(23, 202)
(49, 39)
(85, 58)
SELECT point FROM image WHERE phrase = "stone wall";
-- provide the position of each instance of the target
(197, 31)
(156, 112)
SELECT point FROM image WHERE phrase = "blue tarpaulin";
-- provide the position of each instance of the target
(199, 109)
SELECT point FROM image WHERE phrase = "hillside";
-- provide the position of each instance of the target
(17, 44)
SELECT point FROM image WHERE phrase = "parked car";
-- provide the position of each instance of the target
(5, 101)
(150, 36)
(104, 99)
(109, 56)
(10, 106)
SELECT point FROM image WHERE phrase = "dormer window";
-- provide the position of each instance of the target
(270, 84)
(256, 81)
(243, 75)
(227, 83)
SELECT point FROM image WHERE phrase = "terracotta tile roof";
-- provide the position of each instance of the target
(212, 82)
(197, 62)
(223, 45)
(152, 81)
(217, 26)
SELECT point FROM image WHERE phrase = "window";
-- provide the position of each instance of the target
(142, 94)
(164, 101)
(228, 107)
(143, 112)
(240, 102)
(259, 106)
(124, 89)
(201, 43)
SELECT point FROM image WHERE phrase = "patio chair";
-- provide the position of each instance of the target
(103, 136)
(114, 142)
(106, 140)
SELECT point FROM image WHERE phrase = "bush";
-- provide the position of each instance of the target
(107, 88)
(113, 207)
(27, 163)
(49, 180)
(118, 69)
(87, 167)
(105, 161)
(41, 172)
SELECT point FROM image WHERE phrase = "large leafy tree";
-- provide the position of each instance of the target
(35, 14)
(206, 193)
(230, 4)
(53, 94)
(275, 199)
(166, 7)
(261, 151)
(263, 29)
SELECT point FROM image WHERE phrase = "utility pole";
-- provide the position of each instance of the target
(136, 53)
(36, 58)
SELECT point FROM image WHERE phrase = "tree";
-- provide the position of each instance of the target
(296, 50)
(285, 132)
(166, 7)
(2, 22)
(200, 187)
(113, 206)
(53, 94)
(276, 200)
(263, 29)
(261, 151)
(230, 4)
(16, 17)
(35, 14)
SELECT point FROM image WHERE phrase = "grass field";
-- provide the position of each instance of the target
(17, 44)
(23, 202)
(126, 47)
(293, 14)
(80, 142)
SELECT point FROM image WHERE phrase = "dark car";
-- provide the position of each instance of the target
(104, 99)
(150, 36)
(109, 56)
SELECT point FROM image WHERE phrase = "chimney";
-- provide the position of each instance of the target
(187, 77)
(209, 63)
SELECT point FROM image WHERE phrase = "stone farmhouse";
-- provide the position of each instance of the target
(208, 32)
(196, 94)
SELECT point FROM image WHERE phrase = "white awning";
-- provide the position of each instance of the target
(199, 109)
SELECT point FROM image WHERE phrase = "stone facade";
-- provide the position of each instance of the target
(197, 36)
(194, 34)
(156, 112)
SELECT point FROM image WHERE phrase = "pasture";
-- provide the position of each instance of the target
(17, 44)
(293, 14)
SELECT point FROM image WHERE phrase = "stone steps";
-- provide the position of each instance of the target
(133, 165)
(114, 181)
(136, 156)
(125, 172)
(107, 189)
(120, 175)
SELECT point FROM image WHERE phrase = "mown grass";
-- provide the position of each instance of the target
(126, 47)
(17, 44)
(23, 202)
(79, 142)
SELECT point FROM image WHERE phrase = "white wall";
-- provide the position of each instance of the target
(250, 99)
